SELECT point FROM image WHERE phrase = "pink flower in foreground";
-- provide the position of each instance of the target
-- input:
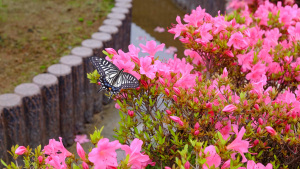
(80, 151)
(151, 47)
(251, 165)
(130, 113)
(127, 66)
(104, 155)
(177, 120)
(225, 73)
(240, 145)
(56, 162)
(20, 150)
(271, 130)
(135, 157)
(54, 146)
(212, 159)
(147, 68)
(229, 108)
(238, 41)
(81, 139)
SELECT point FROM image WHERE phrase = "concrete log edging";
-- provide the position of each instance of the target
(58, 98)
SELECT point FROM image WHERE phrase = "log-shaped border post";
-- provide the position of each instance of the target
(48, 84)
(76, 64)
(85, 53)
(113, 20)
(114, 32)
(12, 113)
(67, 127)
(105, 38)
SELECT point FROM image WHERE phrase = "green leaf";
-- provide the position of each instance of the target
(3, 163)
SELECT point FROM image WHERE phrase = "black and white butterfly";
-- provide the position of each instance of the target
(113, 79)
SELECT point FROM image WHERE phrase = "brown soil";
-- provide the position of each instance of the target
(35, 33)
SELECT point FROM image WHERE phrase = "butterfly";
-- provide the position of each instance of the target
(113, 79)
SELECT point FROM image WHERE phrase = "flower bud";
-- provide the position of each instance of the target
(176, 90)
(177, 120)
(229, 108)
(111, 51)
(294, 114)
(161, 81)
(85, 166)
(197, 126)
(117, 106)
(135, 59)
(175, 98)
(40, 158)
(130, 113)
(144, 83)
(21, 150)
(287, 128)
(271, 130)
(195, 99)
(225, 73)
(256, 106)
(209, 105)
(196, 132)
(80, 152)
(258, 130)
(167, 91)
(229, 53)
(260, 121)
(187, 165)
(245, 103)
(169, 112)
(256, 142)
(99, 83)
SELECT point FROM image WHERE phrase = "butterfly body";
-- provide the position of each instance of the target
(113, 79)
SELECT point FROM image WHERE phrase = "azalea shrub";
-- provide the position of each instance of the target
(231, 102)
(102, 156)
(252, 5)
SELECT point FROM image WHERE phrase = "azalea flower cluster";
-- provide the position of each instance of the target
(103, 156)
(253, 4)
(175, 103)
(259, 47)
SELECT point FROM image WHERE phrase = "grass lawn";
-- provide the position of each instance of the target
(35, 33)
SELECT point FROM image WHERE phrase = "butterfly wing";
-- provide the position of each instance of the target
(126, 81)
(105, 68)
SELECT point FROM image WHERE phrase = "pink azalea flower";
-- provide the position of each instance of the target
(147, 68)
(54, 147)
(194, 55)
(151, 47)
(20, 150)
(238, 41)
(56, 162)
(212, 159)
(135, 157)
(225, 73)
(178, 28)
(81, 139)
(240, 145)
(159, 29)
(205, 35)
(85, 165)
(133, 51)
(257, 72)
(251, 165)
(225, 131)
(104, 155)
